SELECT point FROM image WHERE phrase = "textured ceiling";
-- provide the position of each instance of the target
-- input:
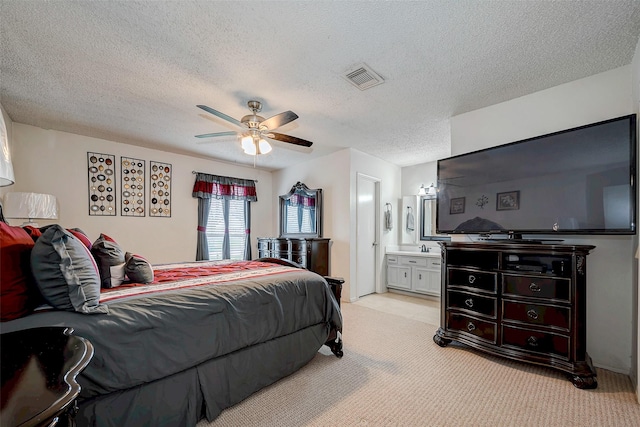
(133, 71)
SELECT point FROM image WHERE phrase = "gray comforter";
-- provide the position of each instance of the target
(147, 337)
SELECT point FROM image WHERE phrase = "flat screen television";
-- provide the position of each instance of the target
(576, 181)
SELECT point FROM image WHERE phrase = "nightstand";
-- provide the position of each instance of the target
(39, 367)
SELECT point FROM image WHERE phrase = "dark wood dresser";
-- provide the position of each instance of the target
(524, 301)
(313, 253)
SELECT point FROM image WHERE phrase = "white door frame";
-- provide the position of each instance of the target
(376, 182)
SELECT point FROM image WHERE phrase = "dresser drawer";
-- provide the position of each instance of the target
(300, 258)
(473, 303)
(469, 325)
(413, 261)
(537, 314)
(298, 245)
(536, 341)
(263, 245)
(536, 287)
(280, 246)
(484, 281)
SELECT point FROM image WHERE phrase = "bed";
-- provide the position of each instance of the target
(201, 337)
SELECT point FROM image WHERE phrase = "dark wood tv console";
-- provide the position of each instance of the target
(519, 300)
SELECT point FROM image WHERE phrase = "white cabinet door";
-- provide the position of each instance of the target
(398, 277)
(422, 280)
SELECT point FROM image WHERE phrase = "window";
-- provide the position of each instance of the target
(299, 220)
(215, 228)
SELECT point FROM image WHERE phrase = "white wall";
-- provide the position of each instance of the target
(415, 176)
(55, 162)
(611, 289)
(336, 174)
(390, 177)
(635, 66)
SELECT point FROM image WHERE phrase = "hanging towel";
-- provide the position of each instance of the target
(388, 221)
(410, 221)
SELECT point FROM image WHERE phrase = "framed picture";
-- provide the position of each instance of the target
(133, 192)
(160, 189)
(102, 184)
(456, 206)
(508, 201)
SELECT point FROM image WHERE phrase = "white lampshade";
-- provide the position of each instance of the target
(30, 206)
(248, 146)
(6, 167)
(264, 146)
(253, 147)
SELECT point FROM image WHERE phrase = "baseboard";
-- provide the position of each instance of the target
(613, 369)
(414, 294)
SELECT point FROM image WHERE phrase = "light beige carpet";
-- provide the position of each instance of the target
(393, 374)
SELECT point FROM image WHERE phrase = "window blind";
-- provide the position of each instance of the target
(215, 229)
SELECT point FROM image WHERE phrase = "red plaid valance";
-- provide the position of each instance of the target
(224, 187)
(305, 201)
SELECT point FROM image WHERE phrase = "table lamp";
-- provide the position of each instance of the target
(30, 206)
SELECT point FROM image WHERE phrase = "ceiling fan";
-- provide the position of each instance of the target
(256, 128)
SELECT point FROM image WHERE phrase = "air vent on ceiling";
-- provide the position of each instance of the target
(363, 77)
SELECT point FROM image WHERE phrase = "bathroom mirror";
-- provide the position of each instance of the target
(301, 212)
(428, 220)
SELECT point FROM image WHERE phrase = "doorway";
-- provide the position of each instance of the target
(367, 235)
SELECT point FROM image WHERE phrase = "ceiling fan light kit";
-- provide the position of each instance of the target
(254, 146)
(256, 128)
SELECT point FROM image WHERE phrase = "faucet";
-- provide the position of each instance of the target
(424, 249)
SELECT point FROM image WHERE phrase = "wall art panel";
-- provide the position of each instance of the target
(160, 189)
(133, 191)
(102, 184)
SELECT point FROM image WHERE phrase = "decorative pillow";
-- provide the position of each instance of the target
(18, 295)
(138, 269)
(80, 235)
(32, 231)
(110, 259)
(66, 273)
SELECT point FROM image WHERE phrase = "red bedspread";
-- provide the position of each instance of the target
(178, 276)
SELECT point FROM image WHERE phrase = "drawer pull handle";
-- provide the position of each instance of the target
(472, 278)
(471, 327)
(412, 262)
(532, 314)
(436, 263)
(532, 341)
(469, 302)
(534, 288)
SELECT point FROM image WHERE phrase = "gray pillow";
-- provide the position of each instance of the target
(137, 268)
(110, 259)
(66, 273)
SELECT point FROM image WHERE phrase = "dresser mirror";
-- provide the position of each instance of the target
(301, 212)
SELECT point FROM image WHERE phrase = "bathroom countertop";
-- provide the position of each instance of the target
(433, 253)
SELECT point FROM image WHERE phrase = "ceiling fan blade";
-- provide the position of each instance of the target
(210, 135)
(221, 115)
(290, 139)
(279, 120)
